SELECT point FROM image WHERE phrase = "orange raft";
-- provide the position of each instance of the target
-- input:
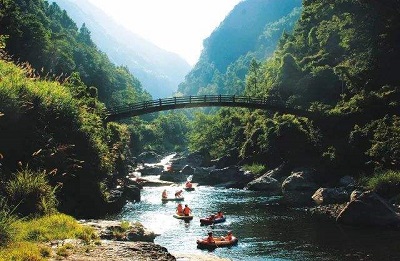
(218, 242)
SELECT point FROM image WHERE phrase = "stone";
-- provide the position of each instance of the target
(265, 183)
(369, 209)
(331, 196)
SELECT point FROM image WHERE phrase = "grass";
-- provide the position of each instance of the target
(32, 192)
(386, 184)
(256, 169)
(387, 178)
(30, 236)
(7, 218)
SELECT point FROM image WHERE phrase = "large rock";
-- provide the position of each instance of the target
(347, 181)
(147, 170)
(302, 180)
(369, 209)
(116, 230)
(230, 177)
(187, 170)
(299, 187)
(265, 183)
(331, 196)
(195, 159)
(173, 176)
(149, 157)
(231, 159)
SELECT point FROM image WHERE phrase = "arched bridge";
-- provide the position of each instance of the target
(140, 108)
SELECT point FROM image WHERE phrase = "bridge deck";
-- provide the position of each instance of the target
(140, 108)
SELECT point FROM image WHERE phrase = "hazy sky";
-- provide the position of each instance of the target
(178, 26)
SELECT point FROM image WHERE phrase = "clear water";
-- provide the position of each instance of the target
(265, 231)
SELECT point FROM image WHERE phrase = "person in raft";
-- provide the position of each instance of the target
(179, 209)
(186, 210)
(188, 184)
(178, 194)
(164, 194)
(219, 214)
(228, 237)
(210, 238)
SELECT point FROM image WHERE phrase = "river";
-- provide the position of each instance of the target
(266, 231)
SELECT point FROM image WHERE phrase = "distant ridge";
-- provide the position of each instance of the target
(158, 70)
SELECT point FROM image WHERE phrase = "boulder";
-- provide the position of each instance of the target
(187, 170)
(195, 159)
(369, 209)
(265, 183)
(331, 196)
(230, 177)
(299, 187)
(116, 230)
(280, 173)
(347, 181)
(355, 194)
(231, 159)
(147, 170)
(149, 157)
(173, 176)
(137, 232)
(300, 181)
(132, 193)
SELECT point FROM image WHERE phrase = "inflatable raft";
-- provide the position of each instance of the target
(172, 199)
(209, 221)
(190, 217)
(218, 242)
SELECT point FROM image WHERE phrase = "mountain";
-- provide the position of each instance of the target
(158, 70)
(250, 31)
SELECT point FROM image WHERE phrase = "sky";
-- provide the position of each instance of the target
(178, 26)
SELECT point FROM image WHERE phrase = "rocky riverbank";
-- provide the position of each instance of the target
(121, 241)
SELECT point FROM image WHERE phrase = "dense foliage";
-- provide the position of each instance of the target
(341, 60)
(45, 36)
(250, 32)
(54, 133)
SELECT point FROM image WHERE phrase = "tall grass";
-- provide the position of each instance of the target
(53, 227)
(32, 193)
(30, 236)
(7, 219)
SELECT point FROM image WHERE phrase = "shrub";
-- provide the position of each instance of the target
(32, 193)
(386, 184)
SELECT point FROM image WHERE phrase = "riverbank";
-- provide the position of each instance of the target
(118, 247)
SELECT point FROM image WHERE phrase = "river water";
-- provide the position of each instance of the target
(266, 231)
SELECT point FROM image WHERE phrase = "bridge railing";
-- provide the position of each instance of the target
(201, 99)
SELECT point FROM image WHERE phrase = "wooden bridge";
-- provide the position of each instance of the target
(145, 107)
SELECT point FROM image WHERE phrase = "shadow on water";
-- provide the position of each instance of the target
(266, 231)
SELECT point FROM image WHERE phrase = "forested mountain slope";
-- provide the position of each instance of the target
(341, 60)
(250, 31)
(46, 37)
(159, 71)
(56, 151)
